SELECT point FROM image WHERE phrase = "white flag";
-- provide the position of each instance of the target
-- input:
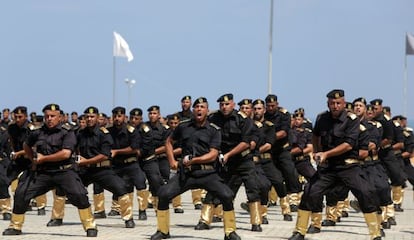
(121, 47)
(409, 44)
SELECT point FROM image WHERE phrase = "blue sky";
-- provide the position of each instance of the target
(61, 51)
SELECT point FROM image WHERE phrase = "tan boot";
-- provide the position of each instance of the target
(125, 205)
(196, 196)
(373, 226)
(58, 209)
(273, 196)
(316, 223)
(88, 222)
(229, 221)
(206, 217)
(255, 216)
(99, 202)
(302, 221)
(5, 206)
(15, 226)
(163, 225)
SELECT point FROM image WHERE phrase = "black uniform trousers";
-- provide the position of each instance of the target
(275, 177)
(35, 183)
(4, 179)
(283, 161)
(105, 177)
(210, 182)
(164, 167)
(152, 172)
(351, 176)
(392, 165)
(263, 184)
(132, 176)
(244, 168)
(409, 171)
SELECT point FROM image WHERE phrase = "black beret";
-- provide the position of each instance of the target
(33, 114)
(153, 108)
(271, 98)
(103, 115)
(6, 110)
(360, 99)
(52, 106)
(386, 109)
(187, 97)
(82, 117)
(200, 100)
(245, 101)
(335, 94)
(258, 101)
(118, 110)
(135, 112)
(376, 102)
(298, 114)
(226, 97)
(92, 110)
(20, 110)
(349, 106)
(74, 113)
(173, 117)
(399, 117)
(370, 107)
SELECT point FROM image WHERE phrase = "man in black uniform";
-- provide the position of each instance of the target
(50, 149)
(124, 155)
(236, 129)
(94, 149)
(5, 204)
(387, 156)
(201, 142)
(160, 133)
(281, 148)
(18, 132)
(335, 143)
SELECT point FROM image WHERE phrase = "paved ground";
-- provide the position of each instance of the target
(182, 225)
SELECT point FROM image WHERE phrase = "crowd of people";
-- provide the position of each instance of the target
(353, 146)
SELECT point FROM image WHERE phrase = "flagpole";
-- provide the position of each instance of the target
(405, 85)
(113, 81)
(269, 85)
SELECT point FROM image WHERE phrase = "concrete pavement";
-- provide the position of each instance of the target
(182, 225)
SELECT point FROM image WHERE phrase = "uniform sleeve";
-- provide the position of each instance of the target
(106, 144)
(352, 132)
(215, 139)
(134, 139)
(69, 141)
(247, 130)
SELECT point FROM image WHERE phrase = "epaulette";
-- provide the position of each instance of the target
(308, 130)
(215, 126)
(242, 114)
(379, 125)
(269, 123)
(362, 127)
(258, 124)
(283, 110)
(408, 129)
(104, 130)
(387, 117)
(185, 120)
(308, 120)
(145, 128)
(66, 126)
(31, 127)
(396, 123)
(352, 115)
(300, 129)
(3, 128)
(130, 128)
(406, 133)
(166, 126)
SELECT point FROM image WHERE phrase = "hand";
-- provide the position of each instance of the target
(174, 166)
(319, 157)
(113, 153)
(187, 160)
(223, 159)
(39, 158)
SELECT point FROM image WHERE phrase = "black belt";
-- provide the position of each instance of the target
(200, 167)
(162, 155)
(54, 168)
(266, 156)
(105, 163)
(301, 157)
